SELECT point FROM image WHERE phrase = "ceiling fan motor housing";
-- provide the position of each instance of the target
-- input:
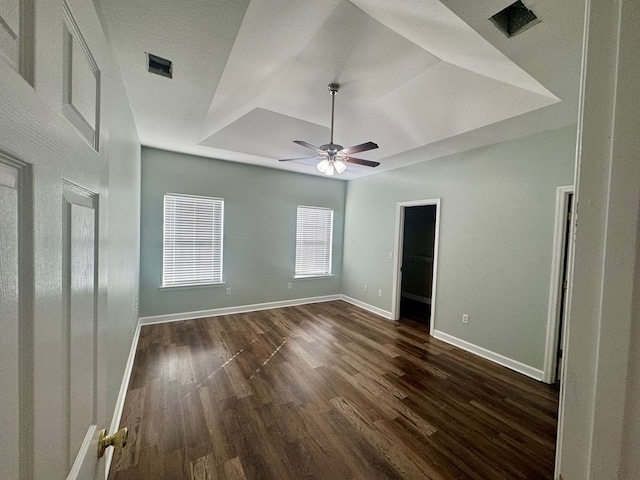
(331, 148)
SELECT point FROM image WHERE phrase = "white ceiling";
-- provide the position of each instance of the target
(421, 78)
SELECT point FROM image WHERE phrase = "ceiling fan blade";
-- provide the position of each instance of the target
(360, 161)
(301, 158)
(363, 147)
(309, 146)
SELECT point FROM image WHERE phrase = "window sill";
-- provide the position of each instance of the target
(195, 285)
(311, 277)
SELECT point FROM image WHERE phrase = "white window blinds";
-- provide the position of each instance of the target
(314, 234)
(192, 246)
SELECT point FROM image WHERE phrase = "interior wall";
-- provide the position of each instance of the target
(259, 231)
(123, 195)
(495, 245)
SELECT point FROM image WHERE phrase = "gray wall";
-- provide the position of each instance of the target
(123, 231)
(496, 235)
(259, 231)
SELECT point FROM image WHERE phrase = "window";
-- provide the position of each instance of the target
(192, 244)
(314, 233)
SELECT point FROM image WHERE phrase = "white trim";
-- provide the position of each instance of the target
(555, 286)
(396, 293)
(396, 284)
(122, 394)
(311, 277)
(215, 312)
(366, 306)
(519, 367)
(89, 444)
(576, 178)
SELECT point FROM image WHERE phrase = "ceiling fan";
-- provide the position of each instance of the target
(331, 155)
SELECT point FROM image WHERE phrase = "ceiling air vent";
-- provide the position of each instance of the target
(158, 65)
(515, 19)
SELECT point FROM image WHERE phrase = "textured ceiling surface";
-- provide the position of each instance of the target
(421, 78)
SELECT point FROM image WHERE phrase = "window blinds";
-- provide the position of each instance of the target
(192, 243)
(314, 234)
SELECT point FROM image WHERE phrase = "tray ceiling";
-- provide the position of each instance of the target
(421, 78)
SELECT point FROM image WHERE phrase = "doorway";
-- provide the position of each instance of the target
(417, 226)
(564, 284)
(560, 274)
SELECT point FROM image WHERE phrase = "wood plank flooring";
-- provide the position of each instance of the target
(327, 391)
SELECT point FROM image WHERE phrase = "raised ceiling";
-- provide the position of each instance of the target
(422, 78)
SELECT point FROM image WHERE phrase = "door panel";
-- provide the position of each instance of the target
(16, 321)
(80, 262)
(10, 34)
(9, 322)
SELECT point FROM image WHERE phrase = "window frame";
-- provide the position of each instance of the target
(211, 266)
(299, 271)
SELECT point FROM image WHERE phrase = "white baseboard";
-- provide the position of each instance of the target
(366, 306)
(216, 312)
(489, 355)
(122, 394)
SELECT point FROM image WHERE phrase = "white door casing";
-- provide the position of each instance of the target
(397, 252)
(557, 263)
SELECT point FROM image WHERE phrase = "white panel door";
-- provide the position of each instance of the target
(53, 280)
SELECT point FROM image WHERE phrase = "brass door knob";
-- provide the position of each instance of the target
(118, 439)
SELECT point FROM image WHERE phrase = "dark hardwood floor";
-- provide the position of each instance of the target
(327, 391)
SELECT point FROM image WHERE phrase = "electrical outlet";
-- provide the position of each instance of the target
(289, 285)
(228, 290)
(379, 293)
(366, 288)
(465, 318)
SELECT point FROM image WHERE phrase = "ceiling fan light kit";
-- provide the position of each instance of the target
(333, 156)
(328, 166)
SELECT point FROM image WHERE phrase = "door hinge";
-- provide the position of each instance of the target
(565, 284)
(560, 353)
(569, 216)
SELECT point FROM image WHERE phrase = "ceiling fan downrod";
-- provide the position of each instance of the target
(333, 89)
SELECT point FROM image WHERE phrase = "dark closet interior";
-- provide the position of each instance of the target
(417, 262)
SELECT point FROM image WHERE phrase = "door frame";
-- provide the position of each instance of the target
(397, 253)
(555, 286)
